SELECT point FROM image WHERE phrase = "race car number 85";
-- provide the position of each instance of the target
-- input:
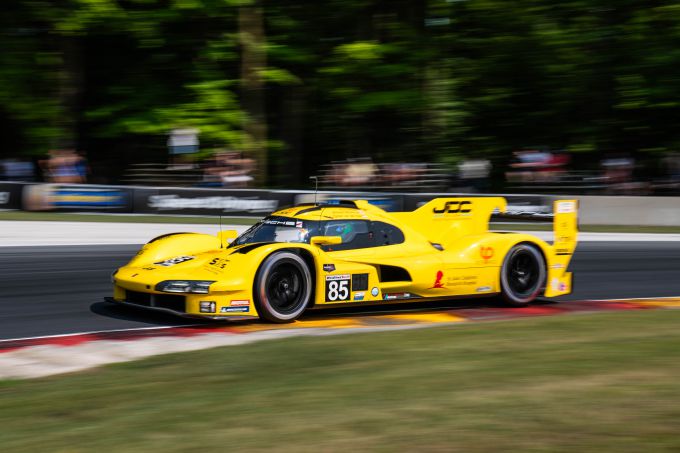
(337, 289)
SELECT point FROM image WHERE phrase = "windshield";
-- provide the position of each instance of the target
(279, 229)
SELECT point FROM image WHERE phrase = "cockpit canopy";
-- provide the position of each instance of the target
(355, 233)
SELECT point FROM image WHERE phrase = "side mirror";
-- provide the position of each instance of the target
(326, 240)
(227, 236)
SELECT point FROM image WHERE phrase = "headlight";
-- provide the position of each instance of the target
(185, 286)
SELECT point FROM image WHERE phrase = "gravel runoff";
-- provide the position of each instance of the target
(21, 233)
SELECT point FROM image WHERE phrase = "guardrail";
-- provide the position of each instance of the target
(593, 210)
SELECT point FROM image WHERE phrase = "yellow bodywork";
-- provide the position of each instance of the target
(447, 251)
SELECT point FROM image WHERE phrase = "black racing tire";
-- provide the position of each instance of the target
(283, 287)
(523, 275)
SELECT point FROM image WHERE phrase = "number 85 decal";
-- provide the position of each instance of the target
(337, 288)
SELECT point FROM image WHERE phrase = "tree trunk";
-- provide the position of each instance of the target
(253, 61)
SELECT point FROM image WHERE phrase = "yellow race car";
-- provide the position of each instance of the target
(351, 252)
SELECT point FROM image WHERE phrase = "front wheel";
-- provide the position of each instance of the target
(523, 275)
(283, 287)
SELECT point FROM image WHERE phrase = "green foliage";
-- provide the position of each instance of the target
(400, 80)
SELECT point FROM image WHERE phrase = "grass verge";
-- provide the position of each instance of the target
(605, 382)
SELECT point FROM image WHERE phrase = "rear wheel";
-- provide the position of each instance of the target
(523, 275)
(283, 287)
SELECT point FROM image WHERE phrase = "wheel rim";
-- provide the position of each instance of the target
(523, 273)
(285, 288)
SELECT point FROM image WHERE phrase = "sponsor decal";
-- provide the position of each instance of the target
(298, 224)
(338, 288)
(219, 262)
(454, 207)
(234, 309)
(359, 296)
(375, 292)
(486, 253)
(438, 280)
(557, 266)
(329, 267)
(461, 280)
(555, 283)
(207, 306)
(176, 260)
(277, 222)
(566, 207)
(483, 289)
(149, 268)
(562, 252)
(391, 296)
(225, 204)
(240, 303)
(563, 286)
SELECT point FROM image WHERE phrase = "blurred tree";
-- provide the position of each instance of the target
(299, 84)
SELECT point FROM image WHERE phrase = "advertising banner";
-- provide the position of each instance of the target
(10, 194)
(76, 197)
(257, 203)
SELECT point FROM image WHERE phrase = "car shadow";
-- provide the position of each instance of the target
(141, 315)
(132, 313)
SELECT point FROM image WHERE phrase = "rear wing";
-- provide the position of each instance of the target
(444, 220)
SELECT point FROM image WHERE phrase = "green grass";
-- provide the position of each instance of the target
(601, 383)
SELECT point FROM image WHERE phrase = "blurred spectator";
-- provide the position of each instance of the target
(229, 169)
(81, 166)
(617, 170)
(361, 172)
(354, 172)
(474, 173)
(65, 166)
(60, 167)
(525, 165)
(400, 174)
(17, 170)
(671, 163)
(532, 166)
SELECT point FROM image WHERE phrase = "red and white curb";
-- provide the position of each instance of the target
(44, 356)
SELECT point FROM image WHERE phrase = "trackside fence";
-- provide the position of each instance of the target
(593, 210)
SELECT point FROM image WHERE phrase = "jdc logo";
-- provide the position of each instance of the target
(452, 207)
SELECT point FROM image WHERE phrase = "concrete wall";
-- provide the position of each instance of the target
(618, 210)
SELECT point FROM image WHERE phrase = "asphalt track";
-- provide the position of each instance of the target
(54, 290)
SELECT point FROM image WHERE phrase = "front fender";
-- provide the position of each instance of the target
(245, 262)
(172, 245)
